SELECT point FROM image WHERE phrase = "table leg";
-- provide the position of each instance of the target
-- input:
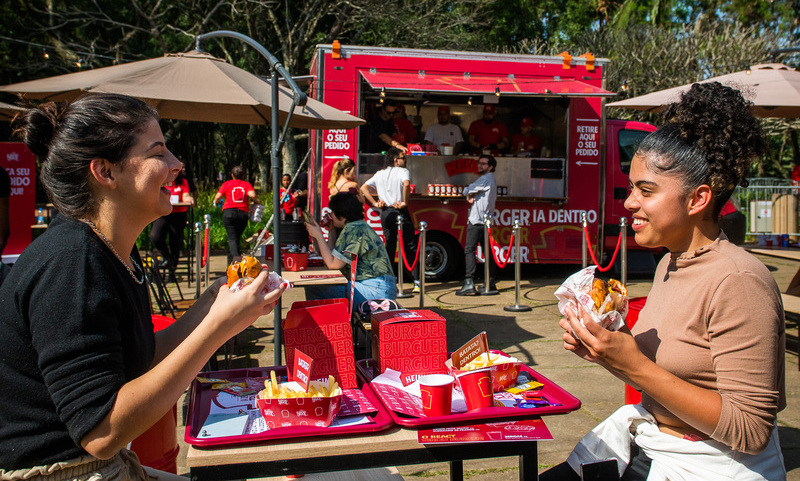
(457, 470)
(529, 466)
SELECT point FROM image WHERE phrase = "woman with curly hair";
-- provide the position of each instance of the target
(707, 352)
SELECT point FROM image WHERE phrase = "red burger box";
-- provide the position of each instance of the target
(321, 329)
(411, 341)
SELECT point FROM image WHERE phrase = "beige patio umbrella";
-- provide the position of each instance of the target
(190, 86)
(7, 111)
(774, 89)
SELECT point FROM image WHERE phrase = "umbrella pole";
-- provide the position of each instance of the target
(299, 98)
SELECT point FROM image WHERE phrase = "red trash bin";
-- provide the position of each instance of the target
(632, 396)
(158, 446)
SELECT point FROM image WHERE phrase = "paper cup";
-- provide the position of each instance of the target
(447, 150)
(437, 394)
(477, 388)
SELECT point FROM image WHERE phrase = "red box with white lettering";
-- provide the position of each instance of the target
(412, 341)
(321, 329)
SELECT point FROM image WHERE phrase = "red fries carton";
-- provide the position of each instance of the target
(295, 261)
(412, 341)
(302, 411)
(321, 329)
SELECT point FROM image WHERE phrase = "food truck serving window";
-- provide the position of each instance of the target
(480, 84)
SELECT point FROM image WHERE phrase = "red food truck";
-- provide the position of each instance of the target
(581, 167)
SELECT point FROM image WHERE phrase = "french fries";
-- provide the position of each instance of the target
(485, 360)
(274, 390)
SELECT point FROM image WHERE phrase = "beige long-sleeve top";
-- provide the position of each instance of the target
(714, 318)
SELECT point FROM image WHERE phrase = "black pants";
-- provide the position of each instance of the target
(637, 470)
(166, 234)
(475, 235)
(235, 222)
(410, 239)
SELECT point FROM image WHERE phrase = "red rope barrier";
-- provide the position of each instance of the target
(591, 252)
(496, 258)
(205, 249)
(403, 251)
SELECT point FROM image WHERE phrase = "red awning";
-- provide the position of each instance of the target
(481, 84)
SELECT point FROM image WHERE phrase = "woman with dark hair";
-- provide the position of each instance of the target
(707, 352)
(374, 276)
(236, 209)
(84, 372)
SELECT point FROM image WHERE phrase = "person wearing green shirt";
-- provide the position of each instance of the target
(374, 277)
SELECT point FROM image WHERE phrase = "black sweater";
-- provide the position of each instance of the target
(74, 327)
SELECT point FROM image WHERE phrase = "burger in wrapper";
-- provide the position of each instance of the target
(606, 302)
(242, 273)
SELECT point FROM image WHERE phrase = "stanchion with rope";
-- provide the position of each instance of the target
(423, 228)
(517, 307)
(207, 219)
(401, 294)
(487, 288)
(197, 242)
(402, 254)
(587, 247)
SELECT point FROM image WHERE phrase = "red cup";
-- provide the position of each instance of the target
(437, 394)
(477, 388)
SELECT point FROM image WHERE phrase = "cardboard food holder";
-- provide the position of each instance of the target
(295, 261)
(411, 341)
(503, 375)
(322, 330)
(301, 411)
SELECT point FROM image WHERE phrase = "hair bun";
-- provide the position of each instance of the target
(718, 120)
(37, 126)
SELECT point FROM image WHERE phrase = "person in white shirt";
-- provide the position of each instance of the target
(444, 132)
(393, 185)
(482, 195)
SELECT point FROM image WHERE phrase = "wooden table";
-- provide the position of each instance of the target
(314, 276)
(392, 447)
(791, 253)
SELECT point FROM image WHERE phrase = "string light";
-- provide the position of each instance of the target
(624, 86)
(45, 54)
(79, 63)
(469, 101)
(383, 92)
(497, 91)
(748, 71)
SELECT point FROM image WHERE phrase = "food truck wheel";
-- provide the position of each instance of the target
(443, 257)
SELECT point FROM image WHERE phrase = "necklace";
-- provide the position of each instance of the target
(114, 251)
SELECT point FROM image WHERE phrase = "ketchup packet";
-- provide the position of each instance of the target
(578, 287)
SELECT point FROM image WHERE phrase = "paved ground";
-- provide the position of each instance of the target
(534, 337)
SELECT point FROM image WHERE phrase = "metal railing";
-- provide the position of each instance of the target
(770, 206)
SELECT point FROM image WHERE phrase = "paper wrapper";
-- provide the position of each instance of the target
(274, 281)
(578, 287)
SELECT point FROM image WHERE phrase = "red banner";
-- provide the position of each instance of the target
(20, 164)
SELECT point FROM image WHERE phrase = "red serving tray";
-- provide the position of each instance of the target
(201, 395)
(551, 390)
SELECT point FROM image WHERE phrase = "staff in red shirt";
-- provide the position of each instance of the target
(488, 133)
(236, 209)
(526, 142)
(171, 226)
